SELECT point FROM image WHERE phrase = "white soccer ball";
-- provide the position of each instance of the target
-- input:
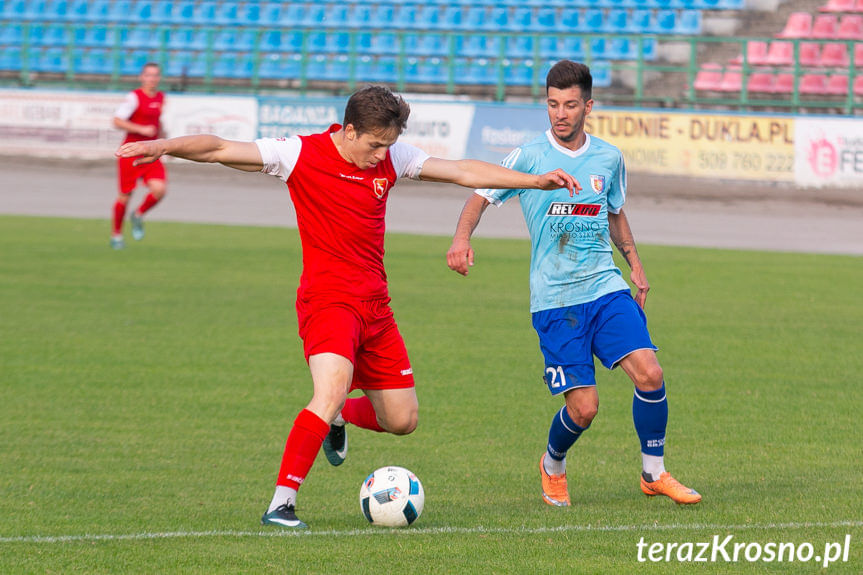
(392, 497)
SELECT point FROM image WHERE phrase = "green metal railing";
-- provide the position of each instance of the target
(650, 82)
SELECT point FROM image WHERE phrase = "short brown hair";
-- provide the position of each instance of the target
(376, 108)
(568, 74)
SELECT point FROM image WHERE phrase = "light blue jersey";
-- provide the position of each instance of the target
(571, 254)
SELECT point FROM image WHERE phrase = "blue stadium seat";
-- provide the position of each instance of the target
(132, 61)
(570, 20)
(453, 18)
(597, 48)
(316, 42)
(14, 9)
(96, 36)
(270, 13)
(384, 16)
(360, 16)
(93, 61)
(249, 14)
(568, 46)
(226, 13)
(234, 39)
(480, 46)
(428, 17)
(640, 22)
(666, 22)
(57, 10)
(192, 64)
(34, 10)
(335, 16)
(293, 15)
(384, 43)
(10, 58)
(205, 14)
(142, 11)
(280, 67)
(51, 60)
(426, 71)
(406, 17)
(519, 46)
(383, 69)
(593, 21)
(521, 20)
(55, 35)
(117, 11)
(338, 43)
(162, 12)
(78, 11)
(616, 21)
(188, 39)
(518, 73)
(688, 22)
(292, 41)
(233, 65)
(426, 45)
(144, 37)
(11, 34)
(363, 42)
(475, 71)
(545, 21)
(183, 12)
(271, 40)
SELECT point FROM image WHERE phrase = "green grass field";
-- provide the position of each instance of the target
(145, 397)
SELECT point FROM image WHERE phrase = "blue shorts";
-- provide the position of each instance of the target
(610, 327)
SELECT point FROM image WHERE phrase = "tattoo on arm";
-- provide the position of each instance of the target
(626, 248)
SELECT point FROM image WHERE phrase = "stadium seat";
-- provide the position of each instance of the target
(292, 15)
(666, 22)
(518, 72)
(571, 20)
(11, 34)
(187, 39)
(834, 55)
(813, 84)
(405, 18)
(825, 26)
(761, 82)
(708, 78)
(476, 71)
(519, 46)
(732, 81)
(50, 60)
(780, 54)
(233, 65)
(688, 22)
(34, 10)
(95, 36)
(858, 55)
(55, 35)
(640, 22)
(280, 67)
(360, 16)
(57, 9)
(162, 12)
(184, 12)
(148, 37)
(837, 85)
(132, 61)
(78, 10)
(480, 46)
(858, 8)
(810, 54)
(101, 10)
(850, 27)
(521, 20)
(837, 6)
(545, 20)
(93, 61)
(10, 58)
(234, 39)
(798, 25)
(858, 86)
(384, 43)
(756, 53)
(453, 18)
(186, 63)
(593, 21)
(784, 84)
(616, 21)
(205, 14)
(142, 12)
(316, 42)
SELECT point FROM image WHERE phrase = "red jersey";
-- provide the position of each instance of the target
(340, 212)
(147, 113)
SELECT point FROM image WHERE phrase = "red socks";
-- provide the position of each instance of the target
(359, 411)
(119, 213)
(304, 442)
(148, 203)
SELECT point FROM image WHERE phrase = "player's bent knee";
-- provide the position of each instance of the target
(404, 424)
(583, 414)
(650, 378)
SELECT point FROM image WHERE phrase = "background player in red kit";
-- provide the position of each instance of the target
(339, 182)
(140, 116)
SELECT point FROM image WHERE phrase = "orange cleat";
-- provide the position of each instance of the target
(669, 486)
(554, 490)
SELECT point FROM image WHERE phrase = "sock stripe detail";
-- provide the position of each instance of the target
(644, 399)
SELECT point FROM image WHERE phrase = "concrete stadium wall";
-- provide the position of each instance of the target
(809, 151)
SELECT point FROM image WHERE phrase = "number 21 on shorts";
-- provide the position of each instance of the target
(555, 377)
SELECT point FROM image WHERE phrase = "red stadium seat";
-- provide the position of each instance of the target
(810, 54)
(859, 7)
(835, 56)
(826, 26)
(761, 82)
(756, 54)
(838, 6)
(784, 84)
(837, 85)
(858, 55)
(732, 81)
(799, 25)
(858, 86)
(850, 27)
(813, 84)
(780, 54)
(708, 78)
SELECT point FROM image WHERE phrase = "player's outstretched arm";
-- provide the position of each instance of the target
(202, 148)
(479, 174)
(459, 258)
(621, 235)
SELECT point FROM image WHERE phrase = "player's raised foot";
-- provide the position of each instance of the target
(554, 491)
(117, 243)
(670, 487)
(336, 445)
(284, 516)
(137, 226)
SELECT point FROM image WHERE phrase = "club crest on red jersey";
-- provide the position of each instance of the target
(380, 185)
(597, 183)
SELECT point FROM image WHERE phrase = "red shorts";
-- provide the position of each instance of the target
(365, 332)
(129, 174)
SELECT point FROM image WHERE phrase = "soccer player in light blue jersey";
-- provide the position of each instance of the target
(580, 303)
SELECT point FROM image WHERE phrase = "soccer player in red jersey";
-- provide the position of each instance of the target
(339, 182)
(140, 116)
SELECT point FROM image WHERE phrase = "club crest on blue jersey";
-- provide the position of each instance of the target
(597, 183)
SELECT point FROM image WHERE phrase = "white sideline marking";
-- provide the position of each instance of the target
(421, 531)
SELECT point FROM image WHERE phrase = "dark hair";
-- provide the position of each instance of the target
(151, 65)
(568, 74)
(376, 108)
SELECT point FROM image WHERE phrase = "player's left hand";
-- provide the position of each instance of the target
(146, 152)
(559, 179)
(459, 258)
(639, 280)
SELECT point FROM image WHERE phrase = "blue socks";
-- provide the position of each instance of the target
(562, 434)
(650, 416)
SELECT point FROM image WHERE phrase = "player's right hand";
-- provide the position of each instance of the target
(459, 258)
(145, 152)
